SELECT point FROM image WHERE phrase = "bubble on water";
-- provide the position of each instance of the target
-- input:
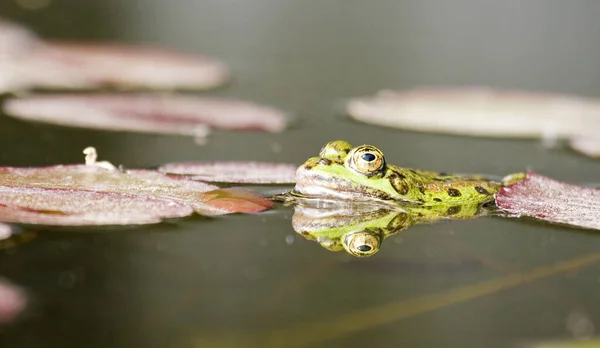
(276, 147)
(66, 279)
(580, 325)
(289, 239)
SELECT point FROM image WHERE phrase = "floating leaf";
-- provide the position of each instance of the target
(89, 65)
(16, 43)
(62, 207)
(549, 200)
(167, 114)
(15, 40)
(587, 145)
(479, 111)
(12, 301)
(234, 172)
(78, 195)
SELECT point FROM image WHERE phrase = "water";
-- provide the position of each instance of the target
(242, 281)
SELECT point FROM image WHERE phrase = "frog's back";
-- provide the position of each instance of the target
(432, 188)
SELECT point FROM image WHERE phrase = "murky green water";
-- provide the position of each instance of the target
(251, 280)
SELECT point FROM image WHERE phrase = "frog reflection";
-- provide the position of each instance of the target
(361, 229)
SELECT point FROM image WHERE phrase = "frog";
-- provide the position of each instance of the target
(361, 174)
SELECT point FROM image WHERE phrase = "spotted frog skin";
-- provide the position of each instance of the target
(361, 174)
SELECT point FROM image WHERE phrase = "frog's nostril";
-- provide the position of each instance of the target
(324, 162)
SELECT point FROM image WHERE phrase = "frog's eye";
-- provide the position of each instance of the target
(335, 150)
(361, 244)
(367, 160)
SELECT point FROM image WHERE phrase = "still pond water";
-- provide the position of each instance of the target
(251, 280)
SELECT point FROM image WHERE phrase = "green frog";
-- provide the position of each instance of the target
(361, 175)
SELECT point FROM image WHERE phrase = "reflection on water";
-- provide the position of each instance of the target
(361, 228)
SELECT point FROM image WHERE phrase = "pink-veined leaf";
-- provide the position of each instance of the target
(82, 195)
(166, 114)
(12, 301)
(55, 64)
(478, 111)
(553, 201)
(64, 207)
(234, 172)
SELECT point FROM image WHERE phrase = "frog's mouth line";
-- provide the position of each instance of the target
(347, 196)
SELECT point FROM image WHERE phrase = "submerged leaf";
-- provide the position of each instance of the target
(234, 172)
(553, 201)
(167, 114)
(90, 65)
(12, 301)
(479, 111)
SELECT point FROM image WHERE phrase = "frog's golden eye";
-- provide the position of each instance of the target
(367, 160)
(361, 244)
(335, 150)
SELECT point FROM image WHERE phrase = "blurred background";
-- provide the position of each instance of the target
(251, 280)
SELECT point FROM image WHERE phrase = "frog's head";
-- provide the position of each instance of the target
(343, 172)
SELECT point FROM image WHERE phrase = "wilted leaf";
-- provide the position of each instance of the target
(234, 199)
(234, 172)
(167, 114)
(90, 65)
(479, 111)
(12, 301)
(553, 201)
(89, 195)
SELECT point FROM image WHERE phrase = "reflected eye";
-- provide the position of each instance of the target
(361, 244)
(367, 160)
(364, 248)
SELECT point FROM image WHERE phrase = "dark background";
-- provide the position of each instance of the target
(242, 280)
